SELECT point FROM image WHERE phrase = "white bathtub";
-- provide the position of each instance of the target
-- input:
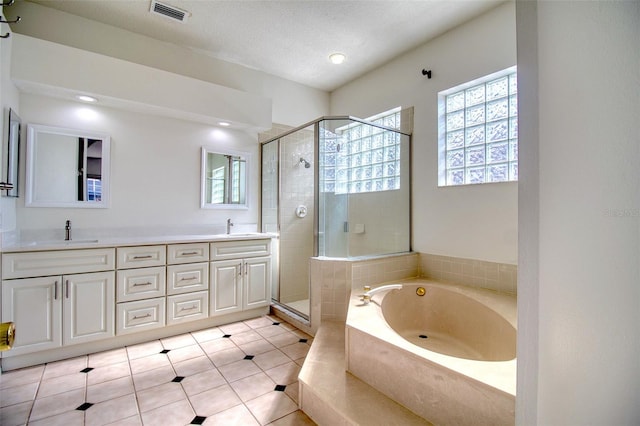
(449, 356)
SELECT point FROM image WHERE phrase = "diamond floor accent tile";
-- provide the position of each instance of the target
(86, 370)
(249, 357)
(280, 388)
(85, 406)
(198, 420)
(177, 379)
(226, 336)
(165, 351)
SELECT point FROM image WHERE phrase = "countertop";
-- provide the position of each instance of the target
(82, 242)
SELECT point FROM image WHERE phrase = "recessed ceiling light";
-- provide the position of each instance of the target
(224, 124)
(337, 58)
(85, 98)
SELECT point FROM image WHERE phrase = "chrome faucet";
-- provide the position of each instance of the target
(368, 292)
(67, 231)
(229, 225)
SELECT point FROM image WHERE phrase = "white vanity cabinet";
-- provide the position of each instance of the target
(56, 310)
(68, 301)
(240, 275)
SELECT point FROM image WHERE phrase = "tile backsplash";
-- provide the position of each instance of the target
(470, 272)
(332, 280)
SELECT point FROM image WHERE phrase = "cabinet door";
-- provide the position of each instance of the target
(35, 307)
(89, 305)
(257, 282)
(226, 287)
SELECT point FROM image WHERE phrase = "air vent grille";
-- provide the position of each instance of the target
(169, 11)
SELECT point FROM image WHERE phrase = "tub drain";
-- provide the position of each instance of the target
(423, 336)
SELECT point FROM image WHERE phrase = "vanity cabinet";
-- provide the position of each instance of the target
(242, 279)
(64, 300)
(56, 310)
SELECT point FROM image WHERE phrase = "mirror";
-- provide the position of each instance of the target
(67, 168)
(10, 156)
(224, 179)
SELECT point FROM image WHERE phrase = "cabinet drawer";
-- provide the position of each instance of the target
(187, 278)
(187, 253)
(143, 283)
(142, 256)
(44, 263)
(187, 307)
(140, 315)
(222, 250)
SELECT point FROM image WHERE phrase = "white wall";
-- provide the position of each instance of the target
(579, 296)
(155, 167)
(476, 221)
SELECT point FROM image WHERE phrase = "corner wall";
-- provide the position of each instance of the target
(9, 98)
(579, 287)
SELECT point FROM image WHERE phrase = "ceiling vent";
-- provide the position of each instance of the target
(168, 11)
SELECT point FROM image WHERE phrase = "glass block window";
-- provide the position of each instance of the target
(478, 131)
(361, 157)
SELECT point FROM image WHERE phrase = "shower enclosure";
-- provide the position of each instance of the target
(337, 187)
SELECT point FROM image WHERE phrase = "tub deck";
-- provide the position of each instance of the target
(441, 388)
(331, 396)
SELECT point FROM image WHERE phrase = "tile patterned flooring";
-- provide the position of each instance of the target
(244, 373)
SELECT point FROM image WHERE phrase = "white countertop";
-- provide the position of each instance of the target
(85, 241)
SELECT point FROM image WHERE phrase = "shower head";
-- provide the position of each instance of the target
(306, 163)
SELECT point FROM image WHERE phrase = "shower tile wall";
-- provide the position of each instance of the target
(296, 234)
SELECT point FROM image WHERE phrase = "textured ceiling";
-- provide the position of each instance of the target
(291, 39)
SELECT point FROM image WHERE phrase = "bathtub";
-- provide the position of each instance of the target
(449, 355)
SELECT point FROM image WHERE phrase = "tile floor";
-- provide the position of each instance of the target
(244, 373)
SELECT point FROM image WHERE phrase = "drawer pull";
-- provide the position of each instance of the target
(141, 284)
(188, 279)
(189, 253)
(147, 256)
(141, 316)
(188, 309)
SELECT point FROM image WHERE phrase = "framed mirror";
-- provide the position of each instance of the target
(224, 179)
(67, 168)
(10, 154)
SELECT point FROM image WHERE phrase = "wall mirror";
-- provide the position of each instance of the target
(224, 179)
(67, 168)
(10, 155)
